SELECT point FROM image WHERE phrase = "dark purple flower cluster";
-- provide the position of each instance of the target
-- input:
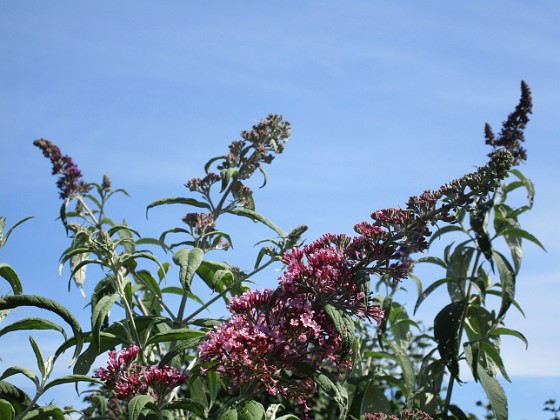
(512, 134)
(70, 181)
(127, 379)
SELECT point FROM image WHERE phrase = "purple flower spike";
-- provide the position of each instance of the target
(70, 182)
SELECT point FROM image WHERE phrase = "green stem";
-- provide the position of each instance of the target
(89, 212)
(128, 310)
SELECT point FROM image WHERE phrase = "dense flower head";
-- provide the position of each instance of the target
(127, 379)
(70, 181)
(200, 223)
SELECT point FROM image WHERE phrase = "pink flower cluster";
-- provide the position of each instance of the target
(128, 379)
(272, 334)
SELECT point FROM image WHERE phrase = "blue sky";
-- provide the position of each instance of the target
(386, 99)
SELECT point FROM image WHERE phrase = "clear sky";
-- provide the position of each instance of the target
(386, 99)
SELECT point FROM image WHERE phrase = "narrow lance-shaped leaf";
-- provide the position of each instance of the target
(9, 274)
(257, 217)
(446, 332)
(14, 370)
(10, 302)
(39, 357)
(507, 282)
(492, 387)
(4, 237)
(177, 334)
(177, 200)
(344, 325)
(521, 233)
(506, 331)
(72, 379)
(406, 367)
(99, 313)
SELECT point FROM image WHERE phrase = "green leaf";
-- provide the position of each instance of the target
(406, 367)
(32, 324)
(207, 270)
(429, 290)
(188, 405)
(175, 335)
(213, 385)
(7, 411)
(506, 331)
(227, 175)
(446, 332)
(138, 403)
(432, 260)
(15, 396)
(521, 233)
(9, 274)
(265, 177)
(211, 161)
(492, 387)
(10, 302)
(528, 184)
(257, 217)
(479, 216)
(507, 282)
(87, 358)
(230, 413)
(39, 356)
(14, 370)
(344, 325)
(4, 237)
(336, 391)
(148, 281)
(372, 400)
(458, 268)
(177, 200)
(443, 231)
(188, 260)
(51, 412)
(250, 410)
(69, 379)
(98, 315)
(493, 358)
(332, 387)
